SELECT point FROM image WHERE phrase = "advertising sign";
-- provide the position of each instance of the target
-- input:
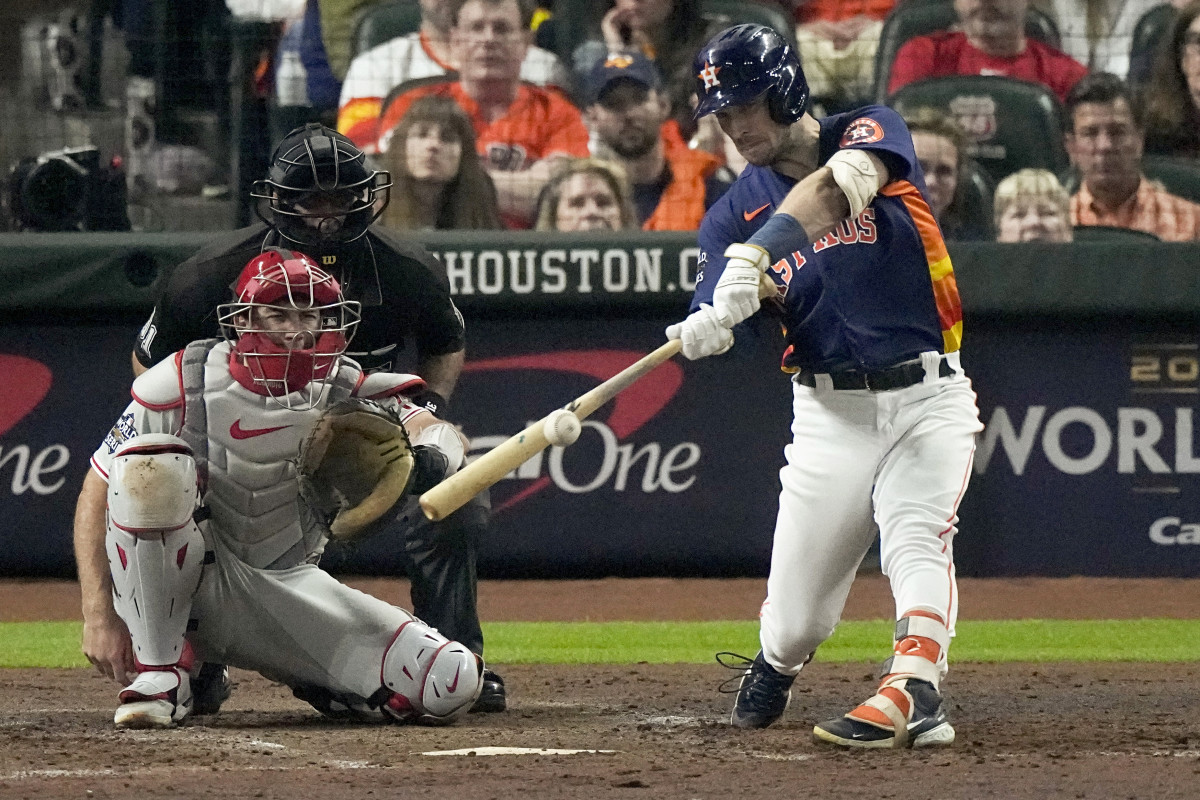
(1089, 463)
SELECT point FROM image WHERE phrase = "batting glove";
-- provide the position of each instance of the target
(702, 334)
(736, 295)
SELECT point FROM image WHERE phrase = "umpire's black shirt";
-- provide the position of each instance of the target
(403, 290)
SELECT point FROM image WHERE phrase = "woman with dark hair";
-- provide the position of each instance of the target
(587, 194)
(437, 180)
(941, 148)
(669, 32)
(1171, 116)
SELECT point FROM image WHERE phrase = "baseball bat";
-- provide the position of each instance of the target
(450, 495)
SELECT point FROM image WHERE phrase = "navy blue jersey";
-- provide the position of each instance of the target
(878, 289)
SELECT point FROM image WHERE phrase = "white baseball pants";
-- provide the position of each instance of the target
(896, 461)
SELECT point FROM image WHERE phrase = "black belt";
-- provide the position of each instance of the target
(900, 376)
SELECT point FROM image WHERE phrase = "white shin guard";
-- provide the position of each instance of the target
(155, 551)
(433, 680)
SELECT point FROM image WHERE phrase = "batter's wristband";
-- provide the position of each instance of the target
(430, 400)
(782, 234)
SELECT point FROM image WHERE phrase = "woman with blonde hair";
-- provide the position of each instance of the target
(587, 194)
(1032, 206)
(437, 179)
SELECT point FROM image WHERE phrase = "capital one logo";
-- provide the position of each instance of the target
(1173, 530)
(626, 414)
(25, 384)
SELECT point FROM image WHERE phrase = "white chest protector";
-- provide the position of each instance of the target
(247, 446)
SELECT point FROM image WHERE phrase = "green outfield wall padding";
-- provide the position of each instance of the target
(600, 273)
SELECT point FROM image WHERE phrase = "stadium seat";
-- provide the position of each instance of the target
(1181, 176)
(384, 22)
(977, 201)
(1149, 32)
(911, 19)
(735, 12)
(1108, 233)
(1013, 124)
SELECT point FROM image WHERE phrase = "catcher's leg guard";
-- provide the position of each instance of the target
(432, 680)
(907, 709)
(155, 555)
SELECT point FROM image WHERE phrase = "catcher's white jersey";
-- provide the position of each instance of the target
(253, 490)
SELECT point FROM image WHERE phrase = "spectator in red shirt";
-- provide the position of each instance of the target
(990, 41)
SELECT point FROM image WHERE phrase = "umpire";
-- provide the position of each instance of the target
(322, 199)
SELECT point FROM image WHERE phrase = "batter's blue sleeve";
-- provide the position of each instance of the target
(882, 131)
(718, 230)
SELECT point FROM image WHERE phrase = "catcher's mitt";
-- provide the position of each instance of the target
(355, 465)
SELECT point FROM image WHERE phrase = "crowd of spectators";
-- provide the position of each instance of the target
(599, 134)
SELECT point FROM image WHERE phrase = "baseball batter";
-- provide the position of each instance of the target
(884, 423)
(191, 525)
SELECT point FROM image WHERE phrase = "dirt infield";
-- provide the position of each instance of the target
(1024, 730)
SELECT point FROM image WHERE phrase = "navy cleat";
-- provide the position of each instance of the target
(906, 712)
(762, 694)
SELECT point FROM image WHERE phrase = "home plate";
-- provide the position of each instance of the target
(510, 751)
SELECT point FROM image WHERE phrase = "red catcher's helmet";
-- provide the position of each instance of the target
(275, 360)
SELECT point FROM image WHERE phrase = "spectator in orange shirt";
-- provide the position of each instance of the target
(991, 41)
(425, 53)
(522, 130)
(626, 107)
(1105, 145)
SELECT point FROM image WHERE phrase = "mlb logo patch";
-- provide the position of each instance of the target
(863, 130)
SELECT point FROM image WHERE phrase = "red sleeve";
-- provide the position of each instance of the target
(1062, 73)
(914, 61)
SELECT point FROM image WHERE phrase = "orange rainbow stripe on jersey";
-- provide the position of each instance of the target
(358, 120)
(941, 271)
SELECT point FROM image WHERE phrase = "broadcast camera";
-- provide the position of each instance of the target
(68, 190)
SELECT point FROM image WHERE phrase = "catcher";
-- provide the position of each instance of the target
(200, 524)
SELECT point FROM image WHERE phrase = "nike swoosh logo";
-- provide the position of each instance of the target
(451, 687)
(238, 432)
(749, 215)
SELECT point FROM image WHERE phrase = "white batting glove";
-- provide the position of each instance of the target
(736, 296)
(702, 334)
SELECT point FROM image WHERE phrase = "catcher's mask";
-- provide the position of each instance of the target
(320, 189)
(290, 326)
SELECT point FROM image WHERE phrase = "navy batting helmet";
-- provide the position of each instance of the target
(320, 187)
(741, 63)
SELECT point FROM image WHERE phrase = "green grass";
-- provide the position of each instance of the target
(56, 644)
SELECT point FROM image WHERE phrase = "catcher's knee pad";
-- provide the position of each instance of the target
(433, 680)
(152, 484)
(155, 551)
